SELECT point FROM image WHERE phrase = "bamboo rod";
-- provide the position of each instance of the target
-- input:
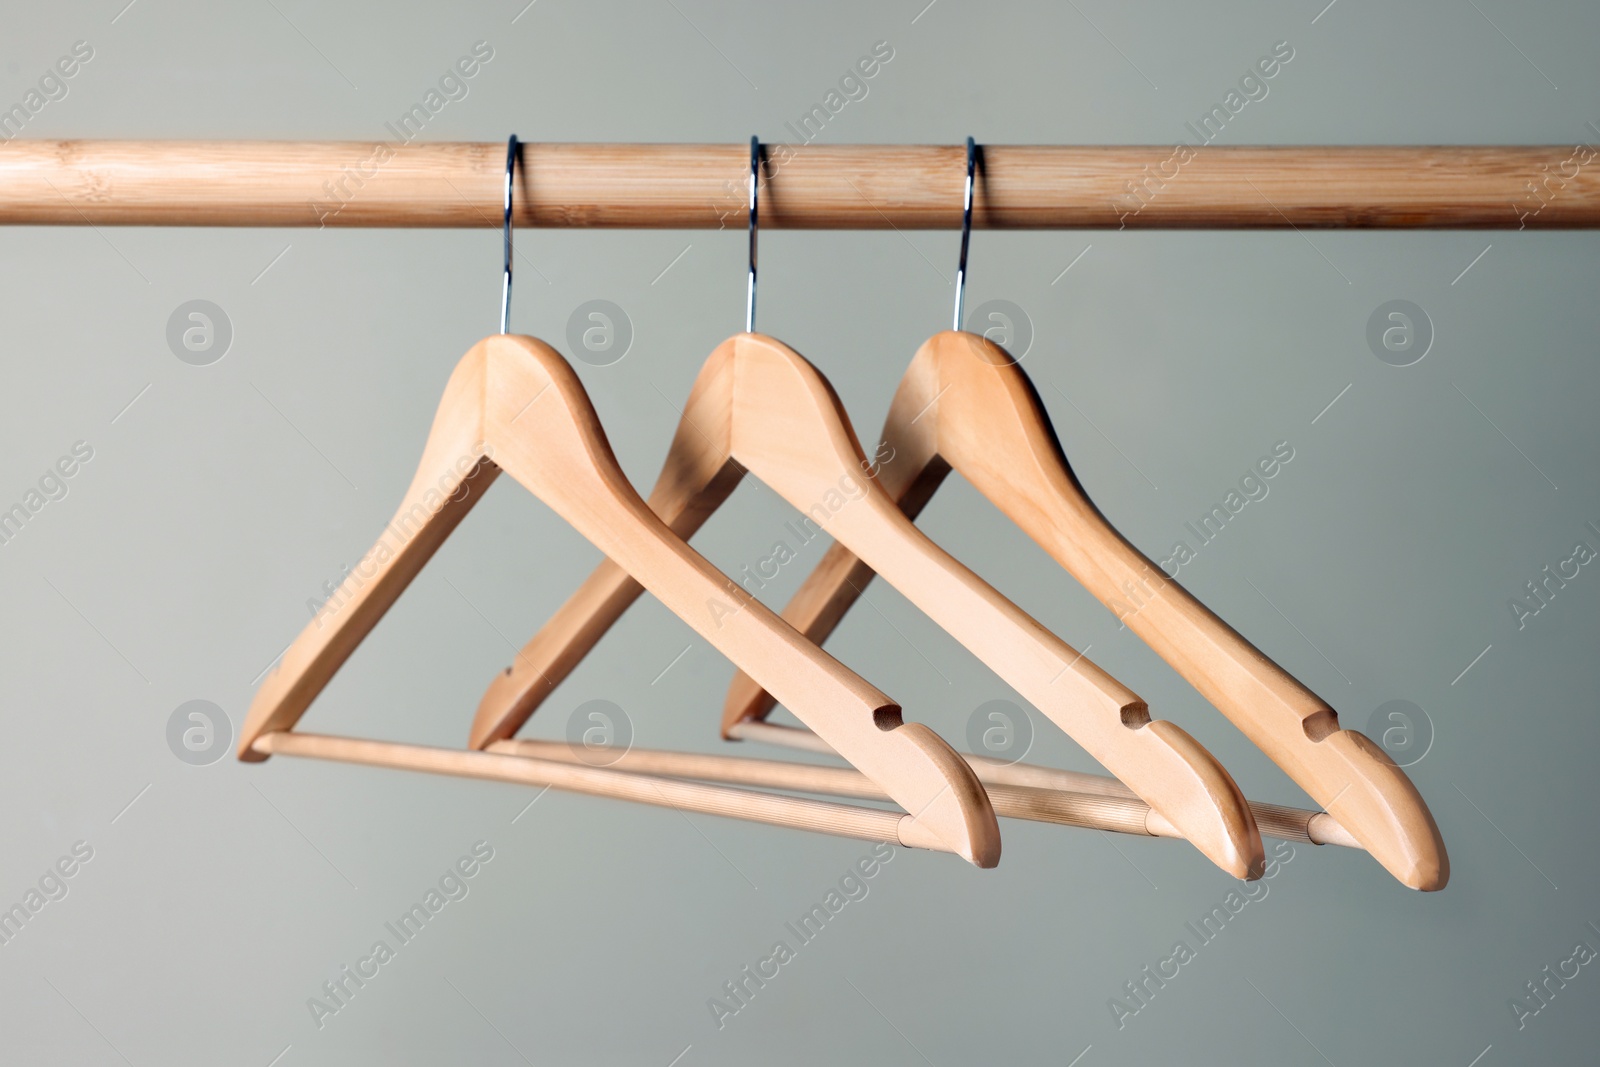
(349, 183)
(1123, 815)
(1274, 820)
(868, 824)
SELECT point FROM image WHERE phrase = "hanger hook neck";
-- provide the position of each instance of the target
(505, 288)
(966, 233)
(755, 183)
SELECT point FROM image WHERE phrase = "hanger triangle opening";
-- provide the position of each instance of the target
(514, 405)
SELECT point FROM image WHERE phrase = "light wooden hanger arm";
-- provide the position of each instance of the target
(683, 498)
(515, 401)
(759, 404)
(965, 403)
(455, 469)
(698, 478)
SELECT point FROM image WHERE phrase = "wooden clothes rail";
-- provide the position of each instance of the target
(378, 184)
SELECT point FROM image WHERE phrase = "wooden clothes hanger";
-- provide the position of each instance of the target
(964, 403)
(757, 405)
(514, 404)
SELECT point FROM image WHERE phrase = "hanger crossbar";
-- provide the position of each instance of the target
(1012, 785)
(867, 824)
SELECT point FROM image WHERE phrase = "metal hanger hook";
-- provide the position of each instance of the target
(505, 289)
(966, 232)
(755, 181)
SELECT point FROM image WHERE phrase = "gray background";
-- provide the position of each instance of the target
(220, 897)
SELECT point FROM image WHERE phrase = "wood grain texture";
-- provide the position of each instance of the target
(515, 405)
(965, 404)
(702, 186)
(757, 405)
